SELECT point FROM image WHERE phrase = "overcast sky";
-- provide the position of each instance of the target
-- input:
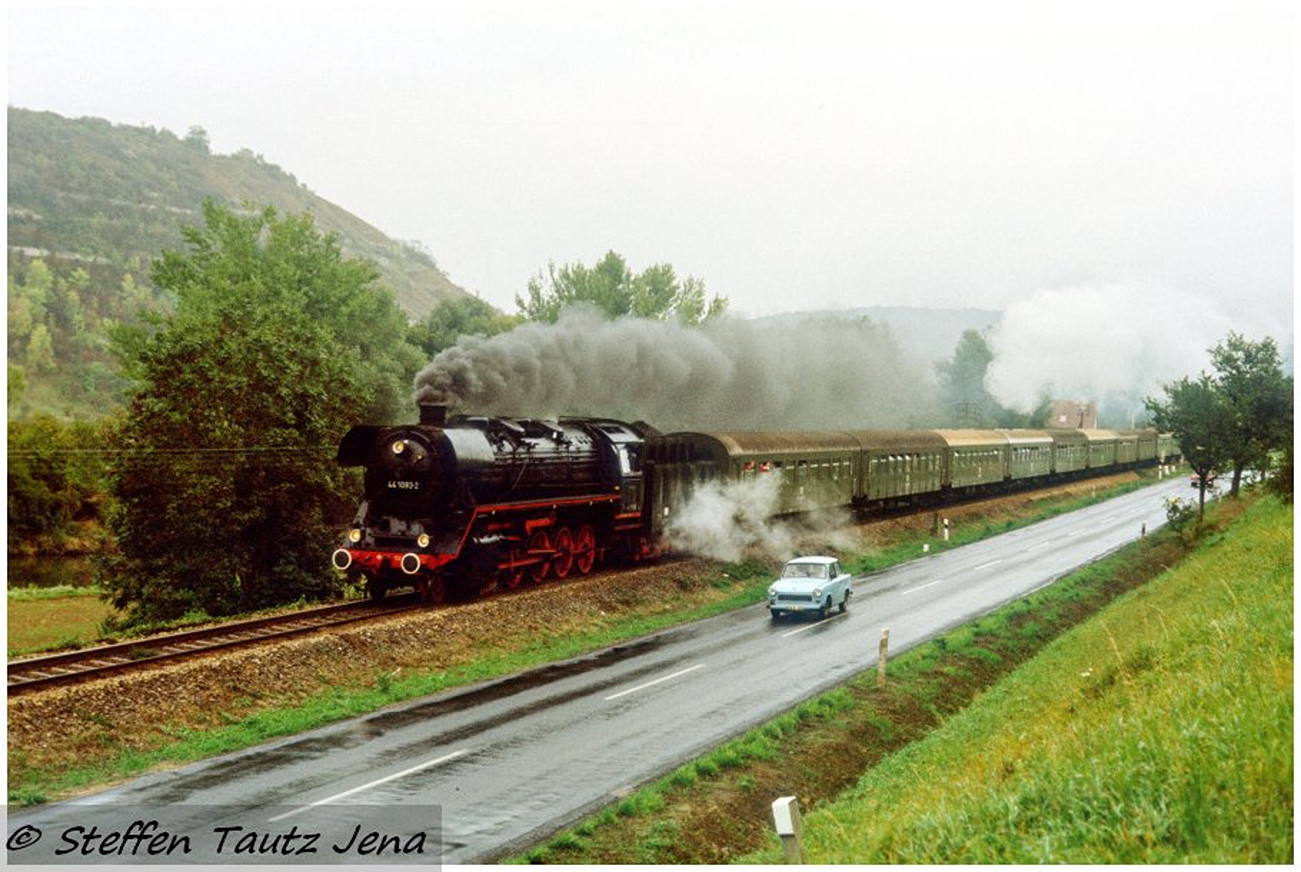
(791, 155)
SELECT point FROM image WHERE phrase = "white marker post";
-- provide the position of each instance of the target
(786, 818)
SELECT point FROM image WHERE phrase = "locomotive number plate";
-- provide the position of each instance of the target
(404, 485)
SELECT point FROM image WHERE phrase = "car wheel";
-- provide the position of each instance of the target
(844, 602)
(775, 614)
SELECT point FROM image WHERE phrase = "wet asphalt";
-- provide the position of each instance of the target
(507, 763)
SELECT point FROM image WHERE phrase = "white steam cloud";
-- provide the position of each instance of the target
(1116, 344)
(723, 519)
(729, 519)
(807, 375)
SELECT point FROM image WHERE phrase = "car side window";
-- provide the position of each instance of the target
(835, 570)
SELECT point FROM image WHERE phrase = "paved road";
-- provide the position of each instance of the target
(512, 761)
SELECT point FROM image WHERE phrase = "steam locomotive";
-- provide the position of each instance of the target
(469, 503)
(472, 501)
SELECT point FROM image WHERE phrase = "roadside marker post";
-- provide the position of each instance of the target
(786, 818)
(882, 652)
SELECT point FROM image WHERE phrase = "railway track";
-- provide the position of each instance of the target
(45, 671)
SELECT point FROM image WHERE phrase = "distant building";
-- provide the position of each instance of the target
(1072, 415)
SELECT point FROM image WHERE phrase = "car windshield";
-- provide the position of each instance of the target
(804, 570)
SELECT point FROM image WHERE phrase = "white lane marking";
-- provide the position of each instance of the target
(1038, 547)
(428, 764)
(812, 625)
(987, 565)
(655, 682)
(924, 586)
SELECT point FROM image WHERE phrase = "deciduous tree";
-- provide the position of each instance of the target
(1249, 378)
(612, 288)
(1195, 413)
(454, 318)
(962, 382)
(226, 484)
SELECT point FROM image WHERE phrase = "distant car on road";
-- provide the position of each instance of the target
(810, 584)
(1196, 481)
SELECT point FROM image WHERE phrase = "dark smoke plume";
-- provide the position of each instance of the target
(791, 375)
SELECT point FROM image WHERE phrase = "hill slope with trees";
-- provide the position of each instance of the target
(92, 204)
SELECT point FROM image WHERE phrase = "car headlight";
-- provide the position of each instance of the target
(354, 535)
(772, 592)
(817, 593)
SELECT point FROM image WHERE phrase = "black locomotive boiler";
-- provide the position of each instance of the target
(464, 502)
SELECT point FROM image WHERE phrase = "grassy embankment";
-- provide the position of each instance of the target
(1157, 730)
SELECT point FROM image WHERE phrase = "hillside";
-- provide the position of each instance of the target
(92, 204)
(89, 190)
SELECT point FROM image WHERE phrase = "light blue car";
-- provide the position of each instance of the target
(810, 584)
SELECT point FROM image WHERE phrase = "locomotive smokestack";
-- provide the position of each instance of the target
(433, 414)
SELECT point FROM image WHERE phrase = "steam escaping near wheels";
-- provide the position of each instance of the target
(725, 518)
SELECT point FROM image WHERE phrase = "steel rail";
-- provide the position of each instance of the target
(50, 669)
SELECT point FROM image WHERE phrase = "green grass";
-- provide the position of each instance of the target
(33, 594)
(1158, 732)
(41, 619)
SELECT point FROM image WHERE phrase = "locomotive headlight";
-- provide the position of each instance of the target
(399, 446)
(354, 535)
(423, 540)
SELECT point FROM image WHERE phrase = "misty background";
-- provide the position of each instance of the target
(1114, 179)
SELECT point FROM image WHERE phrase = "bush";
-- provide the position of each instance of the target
(56, 477)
